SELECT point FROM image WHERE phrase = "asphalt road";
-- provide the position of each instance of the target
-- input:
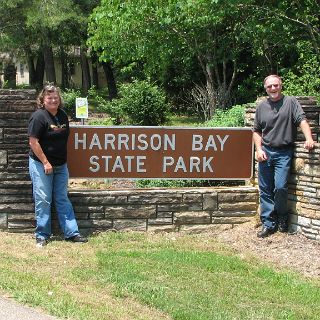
(11, 310)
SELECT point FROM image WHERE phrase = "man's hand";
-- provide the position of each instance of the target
(261, 155)
(309, 144)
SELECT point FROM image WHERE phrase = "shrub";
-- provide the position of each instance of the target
(304, 79)
(157, 183)
(140, 103)
(96, 100)
(100, 122)
(69, 98)
(186, 183)
(233, 117)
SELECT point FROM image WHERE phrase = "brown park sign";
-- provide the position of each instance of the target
(160, 152)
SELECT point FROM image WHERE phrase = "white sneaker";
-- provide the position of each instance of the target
(41, 242)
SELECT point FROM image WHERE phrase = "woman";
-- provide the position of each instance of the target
(48, 133)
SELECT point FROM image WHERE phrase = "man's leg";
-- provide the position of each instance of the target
(266, 188)
(282, 171)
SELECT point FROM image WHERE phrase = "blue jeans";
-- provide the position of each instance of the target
(273, 185)
(48, 187)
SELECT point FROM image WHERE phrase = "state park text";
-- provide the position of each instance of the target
(160, 152)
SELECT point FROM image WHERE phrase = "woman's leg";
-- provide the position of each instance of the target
(62, 203)
(42, 194)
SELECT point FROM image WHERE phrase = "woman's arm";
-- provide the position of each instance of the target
(36, 148)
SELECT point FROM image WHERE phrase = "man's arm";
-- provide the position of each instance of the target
(309, 143)
(260, 154)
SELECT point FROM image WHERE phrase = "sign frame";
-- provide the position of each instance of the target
(155, 131)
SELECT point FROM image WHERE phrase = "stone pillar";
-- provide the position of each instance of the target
(16, 205)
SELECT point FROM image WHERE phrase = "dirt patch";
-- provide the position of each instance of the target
(292, 251)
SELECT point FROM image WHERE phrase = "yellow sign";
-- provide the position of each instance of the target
(82, 108)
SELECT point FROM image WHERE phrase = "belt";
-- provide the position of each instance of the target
(286, 147)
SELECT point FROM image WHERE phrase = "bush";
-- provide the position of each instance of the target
(96, 99)
(140, 103)
(169, 183)
(233, 117)
(186, 183)
(69, 98)
(304, 79)
(100, 122)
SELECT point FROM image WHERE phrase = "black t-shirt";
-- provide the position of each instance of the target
(52, 132)
(278, 121)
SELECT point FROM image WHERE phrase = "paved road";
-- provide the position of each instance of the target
(11, 310)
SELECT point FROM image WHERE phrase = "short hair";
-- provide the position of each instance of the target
(49, 88)
(272, 76)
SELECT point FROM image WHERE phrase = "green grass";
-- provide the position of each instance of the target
(193, 284)
(151, 276)
(183, 121)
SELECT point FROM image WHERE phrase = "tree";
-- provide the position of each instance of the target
(41, 29)
(276, 27)
(157, 31)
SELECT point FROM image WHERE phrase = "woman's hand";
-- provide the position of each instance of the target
(47, 168)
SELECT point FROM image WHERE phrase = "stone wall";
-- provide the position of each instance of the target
(155, 210)
(164, 209)
(304, 183)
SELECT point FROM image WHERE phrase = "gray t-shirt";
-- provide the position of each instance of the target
(277, 121)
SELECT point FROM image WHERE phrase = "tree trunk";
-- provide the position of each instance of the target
(49, 64)
(31, 68)
(111, 82)
(39, 71)
(9, 76)
(94, 67)
(64, 69)
(86, 79)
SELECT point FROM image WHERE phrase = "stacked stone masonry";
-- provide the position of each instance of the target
(155, 210)
(146, 209)
(304, 183)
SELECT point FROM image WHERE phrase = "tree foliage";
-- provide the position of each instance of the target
(222, 48)
(159, 31)
(231, 40)
(31, 28)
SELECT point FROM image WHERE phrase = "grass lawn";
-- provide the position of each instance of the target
(151, 276)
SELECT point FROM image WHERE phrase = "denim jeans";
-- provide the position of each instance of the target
(273, 185)
(48, 187)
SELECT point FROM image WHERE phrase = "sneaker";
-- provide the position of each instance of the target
(41, 242)
(77, 238)
(265, 232)
(283, 227)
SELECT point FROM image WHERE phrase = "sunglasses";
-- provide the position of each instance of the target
(272, 85)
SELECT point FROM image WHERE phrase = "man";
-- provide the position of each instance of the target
(275, 128)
